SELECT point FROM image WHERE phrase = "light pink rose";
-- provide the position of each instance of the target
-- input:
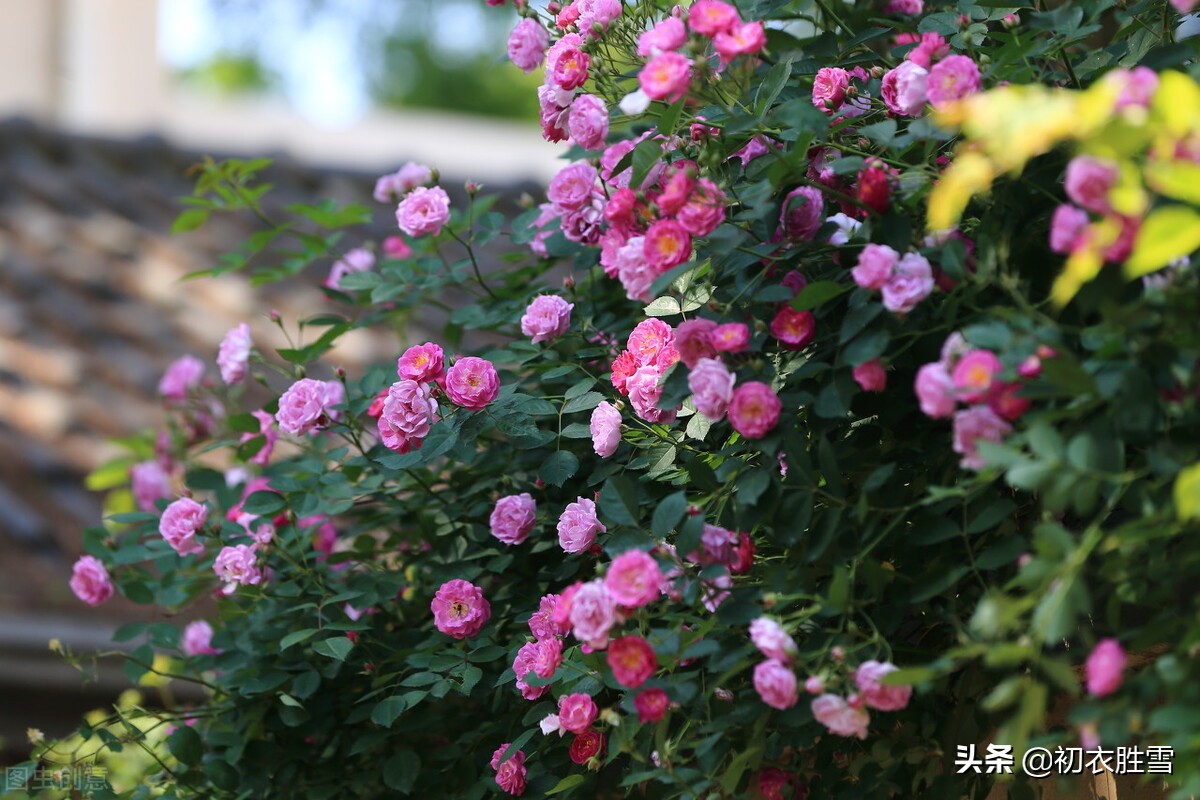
(585, 224)
(592, 613)
(633, 271)
(909, 284)
(711, 384)
(90, 581)
(576, 712)
(802, 214)
(179, 524)
(391, 187)
(359, 259)
(408, 412)
(588, 122)
(606, 429)
(546, 318)
(1105, 668)
(510, 775)
(553, 114)
(710, 17)
(421, 363)
(596, 15)
(234, 354)
(743, 39)
(975, 424)
(775, 683)
(952, 78)
(460, 609)
(868, 679)
(829, 88)
(1088, 182)
(578, 525)
(566, 63)
(935, 391)
(976, 375)
(871, 376)
(904, 88)
(644, 393)
(1137, 86)
(573, 186)
(667, 244)
(669, 34)
(237, 565)
(772, 640)
(527, 44)
(634, 579)
(149, 482)
(666, 77)
(513, 517)
(754, 410)
(182, 376)
(472, 383)
(839, 717)
(693, 340)
(308, 405)
(267, 430)
(1183, 6)
(1067, 228)
(731, 337)
(424, 211)
(197, 639)
(704, 210)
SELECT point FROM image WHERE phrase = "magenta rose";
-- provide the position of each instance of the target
(542, 623)
(424, 211)
(197, 639)
(267, 430)
(634, 579)
(408, 412)
(632, 661)
(90, 581)
(693, 340)
(472, 383)
(802, 214)
(460, 609)
(510, 774)
(1105, 667)
(794, 329)
(522, 666)
(711, 384)
(976, 375)
(527, 44)
(578, 526)
(566, 63)
(666, 77)
(1067, 228)
(234, 354)
(839, 717)
(669, 34)
(772, 640)
(576, 712)
(743, 39)
(421, 363)
(754, 409)
(546, 318)
(710, 17)
(704, 210)
(179, 524)
(651, 705)
(731, 337)
(308, 405)
(513, 517)
(871, 376)
(868, 679)
(829, 88)
(605, 428)
(935, 391)
(667, 244)
(588, 122)
(182, 376)
(775, 683)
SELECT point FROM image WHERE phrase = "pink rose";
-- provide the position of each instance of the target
(472, 383)
(710, 17)
(676, 189)
(149, 482)
(829, 88)
(1104, 668)
(546, 318)
(510, 775)
(731, 337)
(179, 524)
(693, 340)
(395, 247)
(523, 664)
(711, 384)
(1007, 401)
(1067, 228)
(592, 613)
(553, 115)
(743, 39)
(1088, 182)
(644, 393)
(566, 63)
(424, 211)
(1137, 86)
(1183, 6)
(548, 657)
(975, 424)
(634, 579)
(651, 705)
(182, 376)
(578, 525)
(704, 210)
(266, 429)
(875, 266)
(359, 259)
(197, 639)
(634, 271)
(649, 338)
(975, 375)
(542, 623)
(839, 717)
(754, 410)
(667, 244)
(910, 283)
(234, 354)
(802, 214)
(576, 712)
(669, 34)
(904, 89)
(606, 429)
(238, 565)
(871, 376)
(794, 329)
(935, 391)
(460, 609)
(930, 47)
(90, 581)
(421, 363)
(573, 186)
(632, 661)
(666, 77)
(597, 15)
(513, 518)
(527, 44)
(588, 122)
(952, 78)
(775, 683)
(408, 412)
(308, 405)
(772, 640)
(868, 679)
(904, 7)
(390, 187)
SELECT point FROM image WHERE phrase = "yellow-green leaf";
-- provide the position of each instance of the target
(1166, 234)
(1187, 493)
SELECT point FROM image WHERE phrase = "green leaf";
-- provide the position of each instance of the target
(668, 120)
(772, 84)
(1167, 233)
(569, 782)
(189, 220)
(668, 513)
(585, 402)
(387, 710)
(817, 293)
(264, 504)
(295, 637)
(337, 648)
(561, 464)
(619, 500)
(185, 745)
(645, 156)
(401, 770)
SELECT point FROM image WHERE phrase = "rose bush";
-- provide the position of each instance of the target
(781, 492)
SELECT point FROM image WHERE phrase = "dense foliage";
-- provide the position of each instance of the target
(772, 434)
